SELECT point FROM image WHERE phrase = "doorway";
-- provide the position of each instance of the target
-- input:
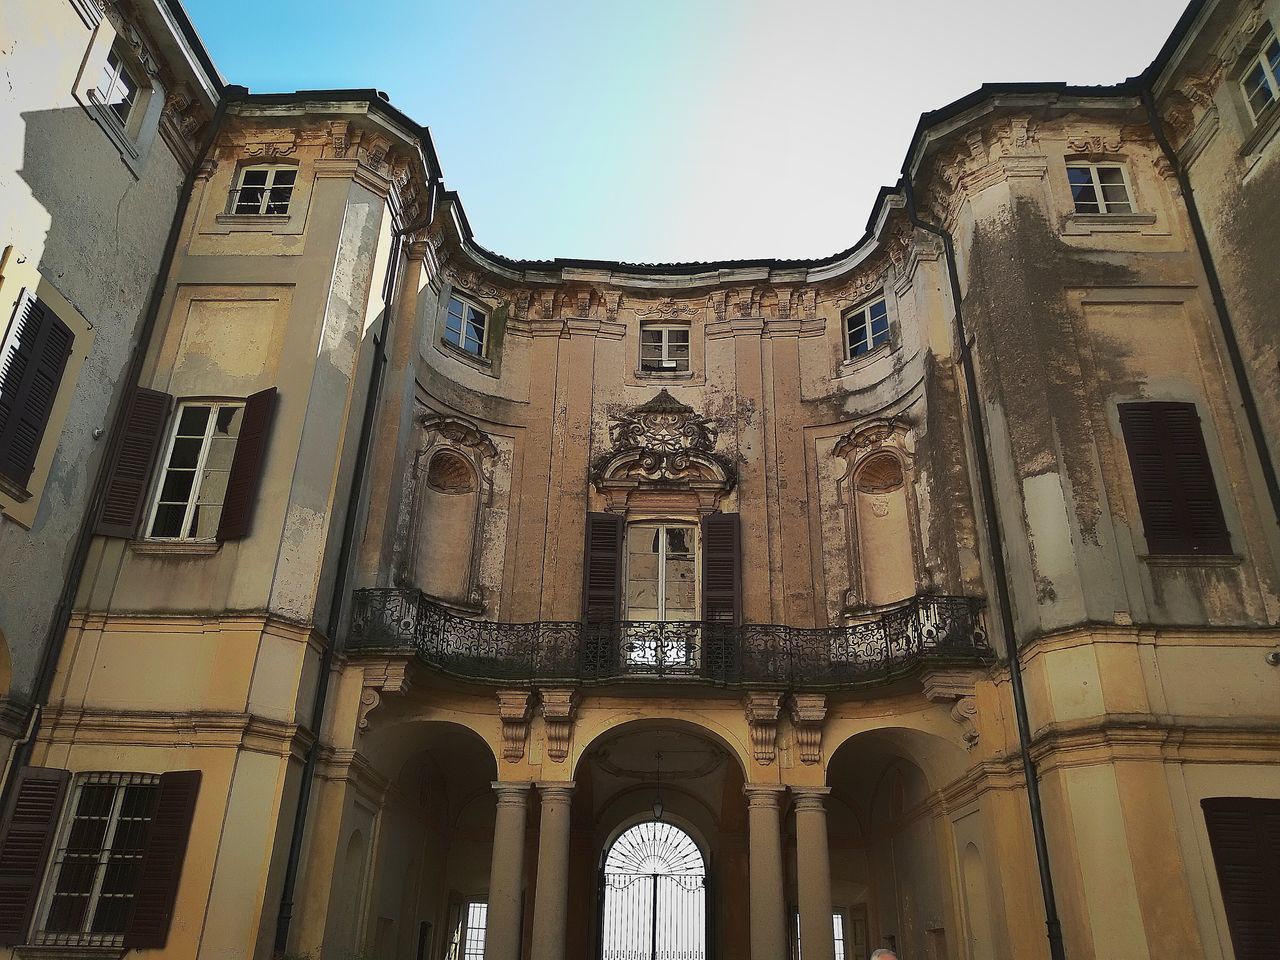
(653, 895)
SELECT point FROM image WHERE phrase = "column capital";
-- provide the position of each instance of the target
(764, 794)
(511, 792)
(810, 798)
(555, 790)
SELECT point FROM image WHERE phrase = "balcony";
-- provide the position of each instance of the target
(890, 643)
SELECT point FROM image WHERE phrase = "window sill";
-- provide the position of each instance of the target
(862, 360)
(665, 374)
(1263, 130)
(1083, 224)
(175, 548)
(484, 364)
(1191, 559)
(253, 219)
(14, 491)
(68, 951)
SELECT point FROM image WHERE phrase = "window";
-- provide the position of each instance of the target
(97, 863)
(661, 571)
(1261, 84)
(837, 924)
(469, 933)
(464, 327)
(865, 329)
(1099, 188)
(117, 90)
(264, 190)
(1173, 479)
(664, 349)
(1244, 835)
(33, 358)
(193, 483)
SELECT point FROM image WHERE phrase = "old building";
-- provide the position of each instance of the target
(443, 605)
(101, 116)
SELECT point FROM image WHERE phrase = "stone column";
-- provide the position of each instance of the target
(506, 873)
(551, 908)
(813, 870)
(768, 899)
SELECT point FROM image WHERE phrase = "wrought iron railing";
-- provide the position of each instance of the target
(888, 643)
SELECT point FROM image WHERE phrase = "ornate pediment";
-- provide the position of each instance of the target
(663, 444)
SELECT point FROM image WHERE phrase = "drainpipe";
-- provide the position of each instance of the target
(284, 916)
(1000, 580)
(66, 601)
(1247, 401)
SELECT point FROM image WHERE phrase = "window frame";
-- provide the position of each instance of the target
(1096, 183)
(272, 170)
(465, 303)
(122, 70)
(40, 935)
(666, 329)
(695, 541)
(458, 937)
(162, 468)
(863, 310)
(1257, 59)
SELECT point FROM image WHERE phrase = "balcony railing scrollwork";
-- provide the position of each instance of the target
(888, 643)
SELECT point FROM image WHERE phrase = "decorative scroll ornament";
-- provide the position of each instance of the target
(513, 710)
(558, 710)
(668, 309)
(664, 441)
(762, 717)
(808, 710)
(957, 687)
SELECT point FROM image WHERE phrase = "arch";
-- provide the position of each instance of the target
(452, 745)
(941, 760)
(612, 725)
(448, 472)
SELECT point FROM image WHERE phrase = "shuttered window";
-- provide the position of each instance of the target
(33, 358)
(602, 569)
(722, 568)
(25, 839)
(113, 869)
(212, 465)
(1244, 833)
(1172, 476)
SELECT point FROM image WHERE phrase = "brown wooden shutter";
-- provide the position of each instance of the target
(602, 569)
(246, 466)
(722, 568)
(30, 823)
(161, 866)
(39, 346)
(132, 461)
(1181, 512)
(1244, 833)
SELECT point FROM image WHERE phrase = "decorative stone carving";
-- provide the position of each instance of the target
(869, 437)
(514, 711)
(612, 301)
(663, 442)
(474, 283)
(808, 711)
(386, 677)
(559, 707)
(958, 688)
(1095, 144)
(668, 309)
(762, 718)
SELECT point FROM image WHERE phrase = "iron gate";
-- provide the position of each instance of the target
(653, 896)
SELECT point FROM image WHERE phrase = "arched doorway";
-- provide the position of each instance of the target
(653, 895)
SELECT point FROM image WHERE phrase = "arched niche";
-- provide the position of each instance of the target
(878, 495)
(452, 487)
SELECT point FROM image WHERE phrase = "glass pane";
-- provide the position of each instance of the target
(186, 452)
(679, 541)
(177, 486)
(284, 178)
(650, 336)
(1273, 54)
(249, 200)
(278, 200)
(204, 521)
(168, 522)
(1086, 199)
(1110, 175)
(675, 337)
(453, 336)
(1079, 176)
(254, 178)
(213, 486)
(193, 421)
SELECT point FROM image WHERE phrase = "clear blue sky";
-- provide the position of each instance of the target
(658, 130)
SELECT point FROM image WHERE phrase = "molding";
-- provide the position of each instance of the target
(514, 709)
(808, 711)
(174, 729)
(762, 711)
(559, 709)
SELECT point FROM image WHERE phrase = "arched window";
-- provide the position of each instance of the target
(654, 901)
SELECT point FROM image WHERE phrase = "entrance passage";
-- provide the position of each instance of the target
(654, 896)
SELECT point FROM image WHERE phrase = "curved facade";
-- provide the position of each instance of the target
(433, 573)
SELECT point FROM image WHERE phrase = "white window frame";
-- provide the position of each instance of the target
(54, 870)
(1259, 59)
(272, 169)
(194, 495)
(669, 364)
(694, 540)
(459, 939)
(872, 345)
(466, 304)
(1103, 203)
(121, 69)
